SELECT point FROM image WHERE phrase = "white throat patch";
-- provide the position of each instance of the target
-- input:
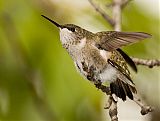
(65, 35)
(82, 43)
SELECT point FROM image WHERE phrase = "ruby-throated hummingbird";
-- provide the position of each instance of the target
(98, 56)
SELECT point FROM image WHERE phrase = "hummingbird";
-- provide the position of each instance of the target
(99, 58)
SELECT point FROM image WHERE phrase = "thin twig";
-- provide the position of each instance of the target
(113, 111)
(104, 15)
(117, 14)
(147, 62)
(125, 3)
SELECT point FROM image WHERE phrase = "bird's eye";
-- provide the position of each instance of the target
(71, 29)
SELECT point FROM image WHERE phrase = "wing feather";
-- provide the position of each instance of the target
(128, 60)
(112, 40)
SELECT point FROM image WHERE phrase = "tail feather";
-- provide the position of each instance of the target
(128, 91)
(118, 90)
(122, 89)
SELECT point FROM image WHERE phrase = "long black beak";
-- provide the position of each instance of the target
(55, 23)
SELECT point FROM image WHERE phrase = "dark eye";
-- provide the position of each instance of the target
(71, 29)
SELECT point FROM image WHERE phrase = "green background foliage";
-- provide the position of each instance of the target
(38, 80)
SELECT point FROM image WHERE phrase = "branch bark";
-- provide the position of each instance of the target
(103, 14)
(125, 3)
(117, 14)
(147, 62)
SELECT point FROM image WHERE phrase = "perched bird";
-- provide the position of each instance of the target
(98, 56)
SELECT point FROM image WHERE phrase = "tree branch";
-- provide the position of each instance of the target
(125, 3)
(147, 62)
(117, 14)
(103, 14)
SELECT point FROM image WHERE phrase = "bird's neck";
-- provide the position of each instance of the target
(75, 47)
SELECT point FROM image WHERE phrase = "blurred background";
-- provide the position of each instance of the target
(38, 80)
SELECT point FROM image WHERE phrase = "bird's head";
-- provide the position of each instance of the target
(69, 32)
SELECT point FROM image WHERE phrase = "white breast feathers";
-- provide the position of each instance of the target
(109, 74)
